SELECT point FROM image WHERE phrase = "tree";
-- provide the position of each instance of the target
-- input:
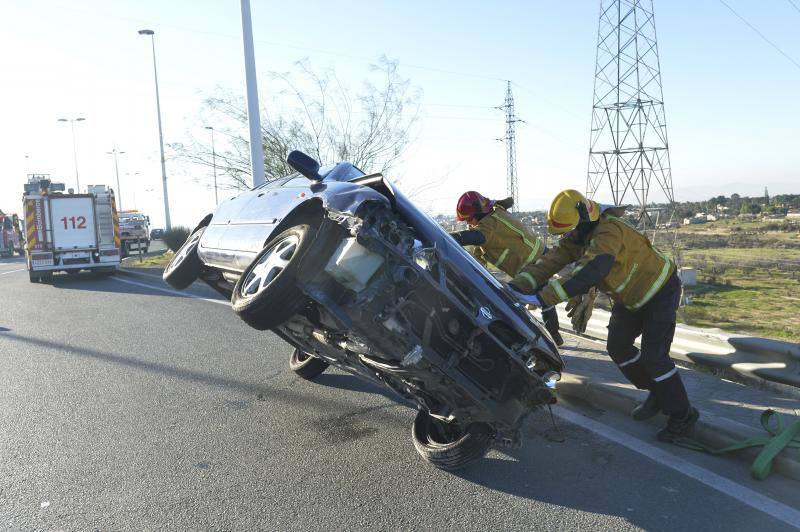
(317, 114)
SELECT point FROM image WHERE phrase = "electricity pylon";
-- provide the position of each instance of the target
(512, 185)
(628, 145)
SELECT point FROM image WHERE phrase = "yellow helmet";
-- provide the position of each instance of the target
(564, 216)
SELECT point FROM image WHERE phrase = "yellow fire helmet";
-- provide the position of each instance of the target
(564, 215)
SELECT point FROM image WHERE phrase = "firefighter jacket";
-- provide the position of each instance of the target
(614, 256)
(505, 243)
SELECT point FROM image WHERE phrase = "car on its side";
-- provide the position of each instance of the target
(350, 273)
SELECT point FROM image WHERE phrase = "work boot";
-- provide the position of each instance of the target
(555, 334)
(679, 427)
(557, 338)
(649, 408)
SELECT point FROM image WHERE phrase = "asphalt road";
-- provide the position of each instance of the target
(129, 407)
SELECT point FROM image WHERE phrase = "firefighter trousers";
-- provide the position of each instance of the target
(550, 319)
(650, 368)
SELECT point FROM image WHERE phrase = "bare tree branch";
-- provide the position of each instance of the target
(370, 129)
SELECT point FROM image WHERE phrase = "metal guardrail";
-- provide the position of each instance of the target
(747, 356)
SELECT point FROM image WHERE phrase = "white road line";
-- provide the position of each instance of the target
(173, 292)
(14, 271)
(745, 495)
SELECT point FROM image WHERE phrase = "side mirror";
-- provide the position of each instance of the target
(304, 164)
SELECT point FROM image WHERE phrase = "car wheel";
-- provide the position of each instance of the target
(447, 447)
(306, 366)
(266, 294)
(185, 266)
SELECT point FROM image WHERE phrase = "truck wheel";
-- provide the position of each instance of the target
(306, 366)
(450, 448)
(185, 266)
(33, 277)
(266, 294)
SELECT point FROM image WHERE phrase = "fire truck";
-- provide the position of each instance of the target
(134, 232)
(68, 231)
(10, 235)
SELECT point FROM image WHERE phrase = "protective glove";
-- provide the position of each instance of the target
(579, 309)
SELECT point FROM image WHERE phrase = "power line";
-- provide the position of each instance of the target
(784, 54)
(794, 5)
(282, 45)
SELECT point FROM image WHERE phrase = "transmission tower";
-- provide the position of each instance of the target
(512, 185)
(628, 144)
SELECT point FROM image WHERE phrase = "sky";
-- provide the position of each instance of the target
(732, 106)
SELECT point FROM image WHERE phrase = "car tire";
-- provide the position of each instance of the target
(185, 266)
(450, 452)
(306, 366)
(266, 294)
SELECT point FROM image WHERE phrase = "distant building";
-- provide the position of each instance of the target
(793, 214)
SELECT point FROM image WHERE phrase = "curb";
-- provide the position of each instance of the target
(752, 360)
(711, 429)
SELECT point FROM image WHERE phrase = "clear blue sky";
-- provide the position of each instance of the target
(731, 100)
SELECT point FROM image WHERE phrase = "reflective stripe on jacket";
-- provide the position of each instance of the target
(509, 246)
(637, 274)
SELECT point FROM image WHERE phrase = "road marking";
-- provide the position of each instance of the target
(14, 271)
(173, 292)
(745, 495)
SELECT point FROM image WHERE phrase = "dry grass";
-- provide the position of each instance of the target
(756, 302)
(156, 261)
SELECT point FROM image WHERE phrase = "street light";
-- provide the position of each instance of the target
(214, 163)
(135, 181)
(115, 152)
(253, 118)
(151, 33)
(74, 149)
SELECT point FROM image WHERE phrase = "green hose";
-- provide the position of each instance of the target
(780, 438)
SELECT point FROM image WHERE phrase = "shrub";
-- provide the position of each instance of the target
(175, 237)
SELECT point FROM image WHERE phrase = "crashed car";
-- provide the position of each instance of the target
(346, 269)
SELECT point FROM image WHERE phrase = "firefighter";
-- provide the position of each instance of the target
(500, 239)
(644, 286)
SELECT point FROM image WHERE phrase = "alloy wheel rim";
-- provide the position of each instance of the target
(184, 251)
(269, 266)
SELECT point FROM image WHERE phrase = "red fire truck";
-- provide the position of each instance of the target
(69, 232)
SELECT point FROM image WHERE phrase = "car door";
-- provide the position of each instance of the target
(251, 229)
(217, 246)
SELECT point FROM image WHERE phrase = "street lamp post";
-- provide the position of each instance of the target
(74, 148)
(253, 118)
(214, 164)
(160, 132)
(116, 152)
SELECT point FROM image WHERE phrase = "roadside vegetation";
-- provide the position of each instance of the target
(154, 261)
(175, 237)
(748, 277)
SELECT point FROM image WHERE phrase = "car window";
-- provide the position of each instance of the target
(301, 181)
(275, 183)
